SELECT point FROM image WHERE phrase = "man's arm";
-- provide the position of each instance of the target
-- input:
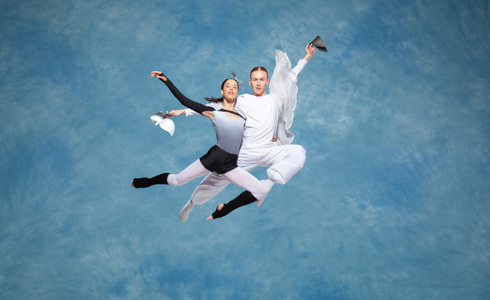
(176, 113)
(283, 89)
(302, 62)
(190, 112)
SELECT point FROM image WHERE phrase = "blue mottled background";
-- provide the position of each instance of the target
(393, 201)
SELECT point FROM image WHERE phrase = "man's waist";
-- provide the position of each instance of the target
(258, 146)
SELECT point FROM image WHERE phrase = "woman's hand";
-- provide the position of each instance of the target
(158, 75)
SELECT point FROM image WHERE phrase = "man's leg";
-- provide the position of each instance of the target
(285, 161)
(211, 186)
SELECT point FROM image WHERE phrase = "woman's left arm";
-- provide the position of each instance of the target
(198, 107)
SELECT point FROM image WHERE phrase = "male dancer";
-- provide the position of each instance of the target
(268, 115)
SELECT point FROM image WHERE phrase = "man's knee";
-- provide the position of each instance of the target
(299, 155)
(282, 171)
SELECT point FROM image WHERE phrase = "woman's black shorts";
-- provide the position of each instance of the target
(219, 161)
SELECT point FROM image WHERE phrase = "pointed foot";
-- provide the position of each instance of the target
(138, 182)
(186, 210)
(219, 208)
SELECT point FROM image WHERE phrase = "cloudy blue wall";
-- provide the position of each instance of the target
(392, 203)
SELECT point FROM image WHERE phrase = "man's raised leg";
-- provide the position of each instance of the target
(283, 161)
(211, 186)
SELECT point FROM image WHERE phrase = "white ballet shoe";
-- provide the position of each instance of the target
(184, 213)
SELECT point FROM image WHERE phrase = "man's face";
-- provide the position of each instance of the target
(258, 81)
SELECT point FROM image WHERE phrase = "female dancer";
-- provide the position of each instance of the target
(221, 158)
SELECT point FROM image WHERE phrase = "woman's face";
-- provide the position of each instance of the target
(230, 89)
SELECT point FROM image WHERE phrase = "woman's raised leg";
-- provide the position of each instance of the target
(255, 191)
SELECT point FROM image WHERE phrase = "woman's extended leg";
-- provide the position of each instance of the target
(146, 181)
(196, 169)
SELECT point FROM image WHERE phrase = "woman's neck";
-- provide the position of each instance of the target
(229, 104)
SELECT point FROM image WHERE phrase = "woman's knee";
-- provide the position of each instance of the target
(260, 193)
(174, 180)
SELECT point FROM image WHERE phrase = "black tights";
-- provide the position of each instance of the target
(146, 182)
(244, 198)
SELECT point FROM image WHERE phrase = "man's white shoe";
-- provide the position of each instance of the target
(184, 213)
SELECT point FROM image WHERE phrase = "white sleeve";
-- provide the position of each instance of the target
(240, 105)
(190, 112)
(283, 88)
(299, 67)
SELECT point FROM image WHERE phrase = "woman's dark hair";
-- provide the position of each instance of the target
(217, 100)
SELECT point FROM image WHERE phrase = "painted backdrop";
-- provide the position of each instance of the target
(392, 203)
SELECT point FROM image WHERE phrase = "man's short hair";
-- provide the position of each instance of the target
(259, 68)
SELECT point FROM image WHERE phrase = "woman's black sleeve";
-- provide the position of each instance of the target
(195, 106)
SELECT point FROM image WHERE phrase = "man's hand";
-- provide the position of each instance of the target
(309, 51)
(175, 113)
(158, 75)
(274, 138)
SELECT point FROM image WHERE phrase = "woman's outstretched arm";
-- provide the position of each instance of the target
(198, 107)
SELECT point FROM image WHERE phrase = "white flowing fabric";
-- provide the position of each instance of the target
(284, 89)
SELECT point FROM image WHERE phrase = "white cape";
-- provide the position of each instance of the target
(283, 89)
